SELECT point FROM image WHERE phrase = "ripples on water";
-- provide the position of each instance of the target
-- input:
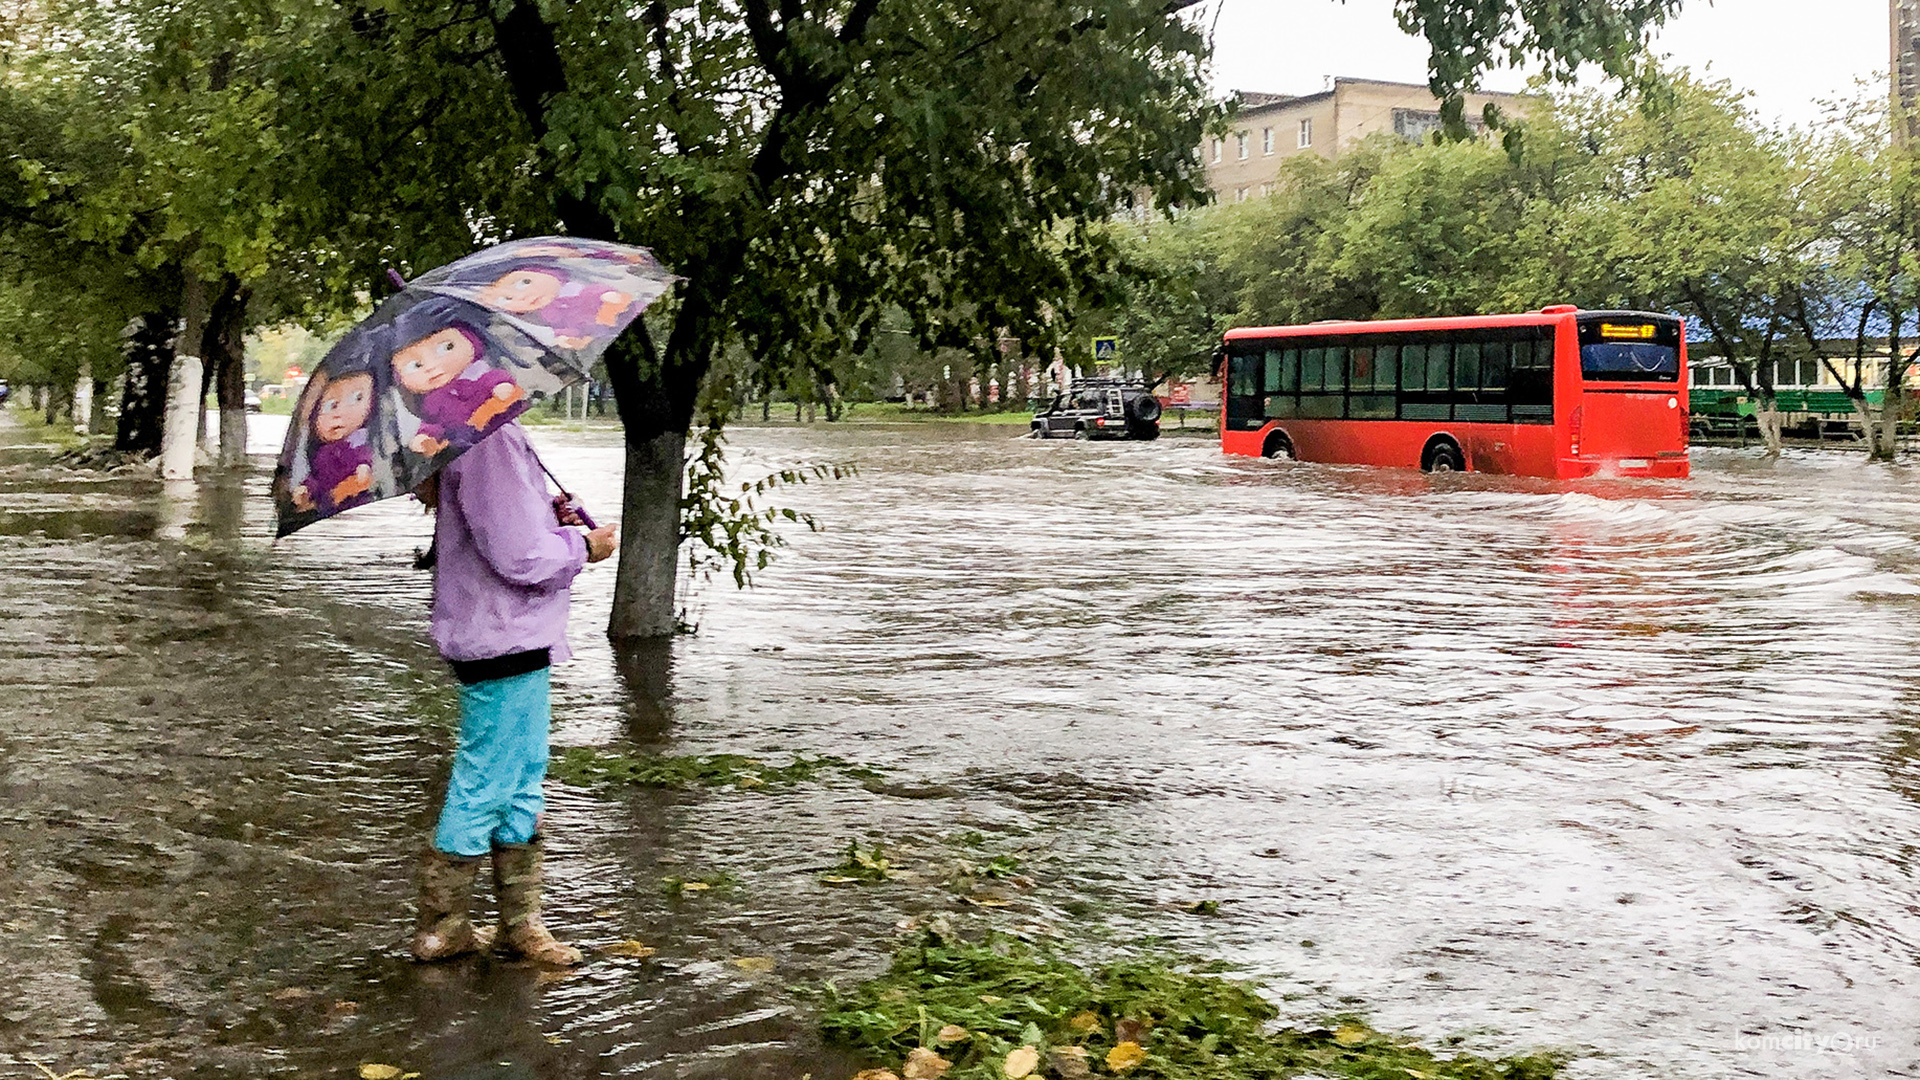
(1624, 766)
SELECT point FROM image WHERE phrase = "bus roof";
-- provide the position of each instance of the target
(1545, 317)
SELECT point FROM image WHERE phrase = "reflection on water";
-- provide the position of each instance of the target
(1623, 766)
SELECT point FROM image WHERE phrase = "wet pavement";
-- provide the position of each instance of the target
(1625, 767)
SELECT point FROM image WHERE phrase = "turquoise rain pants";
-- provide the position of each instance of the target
(494, 796)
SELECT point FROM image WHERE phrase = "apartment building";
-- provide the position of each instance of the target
(1904, 15)
(1275, 127)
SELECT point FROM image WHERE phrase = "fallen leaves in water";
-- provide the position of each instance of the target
(1125, 1056)
(924, 1064)
(875, 1074)
(1127, 1029)
(950, 1034)
(1021, 1062)
(755, 965)
(374, 1070)
(291, 993)
(1069, 1062)
(635, 949)
(76, 1074)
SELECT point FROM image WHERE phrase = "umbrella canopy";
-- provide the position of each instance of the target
(447, 360)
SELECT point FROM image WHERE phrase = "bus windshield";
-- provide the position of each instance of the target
(1626, 347)
(1624, 361)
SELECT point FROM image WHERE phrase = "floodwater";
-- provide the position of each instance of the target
(1628, 768)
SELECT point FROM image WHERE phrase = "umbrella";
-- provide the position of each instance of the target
(448, 360)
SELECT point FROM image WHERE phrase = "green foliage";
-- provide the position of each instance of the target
(586, 767)
(736, 529)
(1006, 995)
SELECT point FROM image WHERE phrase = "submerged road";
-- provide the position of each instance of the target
(1628, 768)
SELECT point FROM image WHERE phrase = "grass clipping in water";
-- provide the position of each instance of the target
(584, 766)
(1003, 1009)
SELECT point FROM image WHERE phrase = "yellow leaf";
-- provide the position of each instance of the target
(1021, 1062)
(757, 965)
(1417, 1074)
(950, 1034)
(1083, 1022)
(1125, 1056)
(750, 781)
(924, 1064)
(629, 948)
(875, 1074)
(1350, 1035)
(694, 886)
(991, 999)
(603, 913)
(837, 879)
(375, 1071)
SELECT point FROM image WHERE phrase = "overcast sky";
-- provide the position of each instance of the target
(1789, 53)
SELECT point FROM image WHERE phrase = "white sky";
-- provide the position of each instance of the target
(1789, 53)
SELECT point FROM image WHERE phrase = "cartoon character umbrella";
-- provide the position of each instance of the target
(447, 360)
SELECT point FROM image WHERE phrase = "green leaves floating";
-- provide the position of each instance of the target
(1020, 1006)
(586, 767)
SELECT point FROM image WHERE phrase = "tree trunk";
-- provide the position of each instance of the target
(83, 399)
(185, 386)
(97, 415)
(226, 352)
(143, 393)
(1768, 418)
(643, 593)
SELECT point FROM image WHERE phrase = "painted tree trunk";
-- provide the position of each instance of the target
(185, 385)
(1769, 420)
(83, 399)
(643, 593)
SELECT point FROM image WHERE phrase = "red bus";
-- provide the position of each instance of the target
(1557, 392)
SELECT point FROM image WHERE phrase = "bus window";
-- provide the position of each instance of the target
(1362, 368)
(1494, 364)
(1530, 382)
(1272, 383)
(1313, 367)
(1386, 368)
(1466, 365)
(1337, 368)
(1413, 367)
(1437, 364)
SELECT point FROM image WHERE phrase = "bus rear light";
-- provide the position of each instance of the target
(1573, 428)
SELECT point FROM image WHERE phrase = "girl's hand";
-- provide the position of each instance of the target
(564, 512)
(600, 542)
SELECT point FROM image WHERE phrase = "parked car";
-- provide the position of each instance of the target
(1100, 409)
(5, 391)
(252, 401)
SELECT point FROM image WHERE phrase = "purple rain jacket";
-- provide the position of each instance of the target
(501, 582)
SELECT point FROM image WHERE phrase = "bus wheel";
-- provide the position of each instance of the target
(1083, 432)
(1278, 446)
(1445, 457)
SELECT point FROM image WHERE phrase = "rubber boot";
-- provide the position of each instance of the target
(443, 930)
(517, 879)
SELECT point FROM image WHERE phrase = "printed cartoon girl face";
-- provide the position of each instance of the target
(522, 291)
(433, 361)
(344, 406)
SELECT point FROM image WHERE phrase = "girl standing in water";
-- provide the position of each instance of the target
(504, 560)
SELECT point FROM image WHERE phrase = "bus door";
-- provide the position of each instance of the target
(1633, 405)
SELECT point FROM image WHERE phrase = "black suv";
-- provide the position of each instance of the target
(1100, 409)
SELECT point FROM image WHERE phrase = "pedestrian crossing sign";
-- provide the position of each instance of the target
(1106, 350)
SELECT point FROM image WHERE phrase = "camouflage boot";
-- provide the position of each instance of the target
(516, 877)
(443, 929)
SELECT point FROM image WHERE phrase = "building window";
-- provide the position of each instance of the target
(1306, 133)
(1239, 194)
(1266, 190)
(1243, 145)
(1216, 151)
(1266, 141)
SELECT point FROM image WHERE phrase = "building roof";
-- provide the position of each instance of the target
(1255, 100)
